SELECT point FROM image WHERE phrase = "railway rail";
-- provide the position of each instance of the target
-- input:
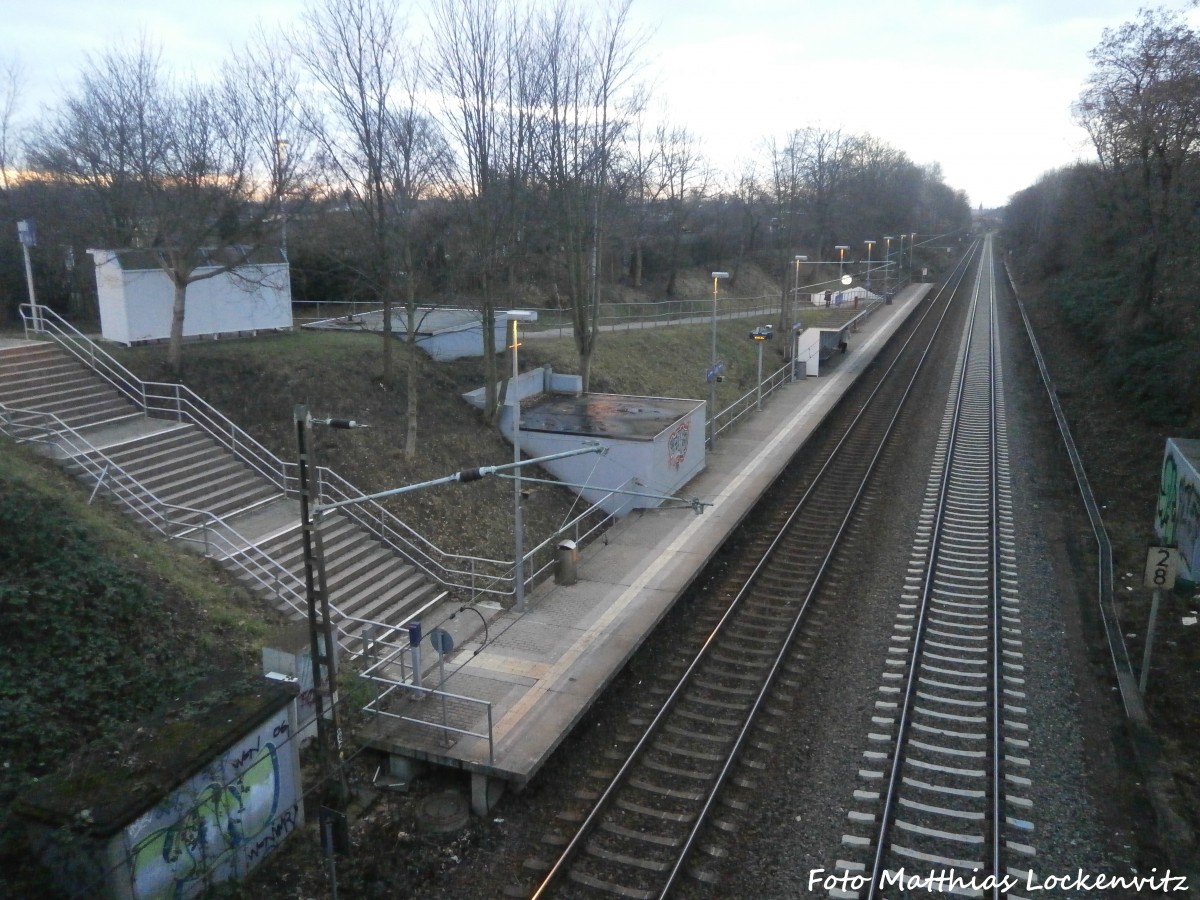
(944, 802)
(645, 824)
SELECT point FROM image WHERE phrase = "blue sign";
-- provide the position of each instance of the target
(442, 640)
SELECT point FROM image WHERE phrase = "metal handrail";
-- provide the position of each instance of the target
(639, 314)
(399, 654)
(374, 707)
(171, 401)
(748, 402)
(178, 402)
(572, 526)
(474, 575)
(169, 519)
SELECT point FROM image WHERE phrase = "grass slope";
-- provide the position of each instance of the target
(101, 627)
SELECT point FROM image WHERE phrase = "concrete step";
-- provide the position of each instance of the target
(398, 598)
(24, 391)
(372, 571)
(182, 466)
(288, 549)
(151, 452)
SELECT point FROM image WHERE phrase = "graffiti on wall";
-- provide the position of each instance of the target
(1177, 513)
(223, 822)
(677, 443)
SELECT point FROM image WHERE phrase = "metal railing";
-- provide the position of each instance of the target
(583, 527)
(182, 523)
(785, 374)
(749, 401)
(471, 574)
(613, 316)
(654, 313)
(157, 399)
(391, 673)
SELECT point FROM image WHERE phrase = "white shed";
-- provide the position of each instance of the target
(136, 295)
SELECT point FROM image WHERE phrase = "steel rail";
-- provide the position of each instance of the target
(997, 674)
(904, 726)
(603, 802)
(781, 657)
(963, 442)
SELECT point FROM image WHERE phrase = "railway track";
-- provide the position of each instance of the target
(643, 826)
(943, 801)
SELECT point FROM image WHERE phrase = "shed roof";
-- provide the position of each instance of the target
(117, 779)
(137, 259)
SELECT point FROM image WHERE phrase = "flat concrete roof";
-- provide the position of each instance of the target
(604, 415)
(429, 321)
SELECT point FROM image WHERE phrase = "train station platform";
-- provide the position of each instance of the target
(542, 669)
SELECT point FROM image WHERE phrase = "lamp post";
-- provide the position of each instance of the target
(912, 246)
(281, 146)
(788, 312)
(841, 249)
(887, 264)
(900, 270)
(516, 316)
(796, 290)
(869, 244)
(712, 372)
(759, 335)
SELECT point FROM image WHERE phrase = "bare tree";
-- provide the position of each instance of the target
(262, 86)
(634, 165)
(172, 165)
(681, 178)
(1141, 107)
(352, 51)
(477, 48)
(11, 85)
(416, 161)
(586, 63)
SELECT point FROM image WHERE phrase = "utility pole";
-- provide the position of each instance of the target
(322, 641)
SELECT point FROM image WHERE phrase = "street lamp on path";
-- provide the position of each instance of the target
(516, 316)
(869, 244)
(841, 249)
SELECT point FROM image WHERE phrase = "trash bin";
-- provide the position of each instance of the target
(566, 563)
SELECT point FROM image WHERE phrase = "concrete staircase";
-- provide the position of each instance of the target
(190, 487)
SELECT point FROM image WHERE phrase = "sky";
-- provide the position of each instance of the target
(983, 89)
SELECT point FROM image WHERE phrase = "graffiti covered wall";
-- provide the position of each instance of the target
(222, 822)
(1177, 515)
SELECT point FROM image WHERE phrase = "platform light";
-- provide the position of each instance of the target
(760, 336)
(516, 316)
(717, 278)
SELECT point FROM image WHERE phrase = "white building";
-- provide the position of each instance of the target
(136, 295)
